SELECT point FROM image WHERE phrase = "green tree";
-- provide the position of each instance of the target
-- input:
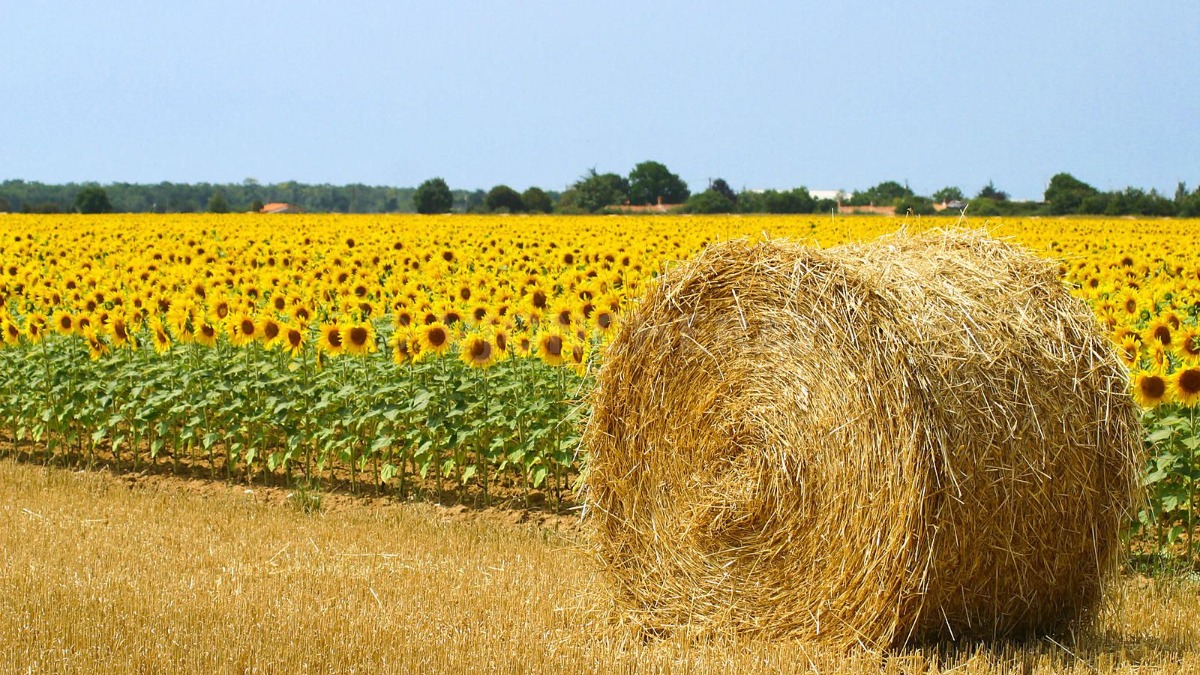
(948, 194)
(503, 199)
(92, 199)
(595, 191)
(884, 194)
(918, 206)
(217, 203)
(724, 190)
(709, 201)
(990, 191)
(651, 181)
(1189, 205)
(1067, 194)
(433, 196)
(536, 200)
(985, 207)
(797, 200)
(4, 206)
(256, 206)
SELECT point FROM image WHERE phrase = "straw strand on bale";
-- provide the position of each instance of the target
(924, 436)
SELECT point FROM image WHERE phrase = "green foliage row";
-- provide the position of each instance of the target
(1171, 512)
(246, 412)
(250, 411)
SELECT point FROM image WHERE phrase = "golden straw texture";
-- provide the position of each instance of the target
(921, 437)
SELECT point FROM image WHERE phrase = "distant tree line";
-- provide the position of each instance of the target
(1065, 195)
(648, 184)
(249, 195)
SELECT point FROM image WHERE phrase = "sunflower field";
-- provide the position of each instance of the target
(391, 351)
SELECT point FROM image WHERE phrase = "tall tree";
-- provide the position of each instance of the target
(433, 196)
(92, 199)
(948, 194)
(722, 188)
(884, 194)
(217, 203)
(595, 191)
(990, 191)
(651, 181)
(536, 200)
(503, 199)
(1066, 193)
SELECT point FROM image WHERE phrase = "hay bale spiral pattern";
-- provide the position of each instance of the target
(920, 437)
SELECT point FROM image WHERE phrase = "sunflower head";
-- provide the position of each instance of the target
(12, 334)
(577, 359)
(332, 340)
(293, 339)
(404, 347)
(206, 332)
(1159, 331)
(553, 348)
(435, 338)
(35, 327)
(1189, 343)
(1150, 388)
(159, 336)
(359, 339)
(478, 351)
(120, 332)
(64, 323)
(96, 345)
(243, 329)
(1186, 384)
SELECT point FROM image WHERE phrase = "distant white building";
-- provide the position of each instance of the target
(835, 195)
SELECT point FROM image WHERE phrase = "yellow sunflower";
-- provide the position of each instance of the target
(1189, 343)
(206, 332)
(270, 331)
(522, 344)
(64, 322)
(435, 338)
(35, 327)
(562, 316)
(500, 341)
(302, 314)
(1160, 331)
(1150, 388)
(478, 351)
(119, 332)
(96, 345)
(293, 339)
(577, 359)
(332, 340)
(552, 347)
(159, 336)
(1186, 384)
(360, 339)
(243, 329)
(12, 333)
(405, 348)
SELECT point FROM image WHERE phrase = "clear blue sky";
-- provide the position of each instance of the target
(764, 94)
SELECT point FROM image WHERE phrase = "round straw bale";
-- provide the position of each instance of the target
(921, 437)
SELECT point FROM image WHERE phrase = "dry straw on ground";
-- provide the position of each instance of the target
(921, 437)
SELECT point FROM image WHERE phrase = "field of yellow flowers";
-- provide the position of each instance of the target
(396, 349)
